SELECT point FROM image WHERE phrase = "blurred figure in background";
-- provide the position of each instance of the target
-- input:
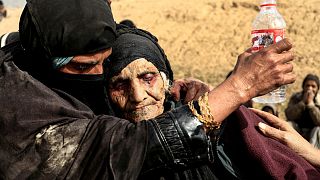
(128, 22)
(3, 11)
(304, 110)
(270, 108)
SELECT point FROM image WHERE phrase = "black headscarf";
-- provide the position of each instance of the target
(65, 28)
(132, 44)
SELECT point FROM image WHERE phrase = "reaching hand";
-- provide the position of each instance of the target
(283, 132)
(188, 89)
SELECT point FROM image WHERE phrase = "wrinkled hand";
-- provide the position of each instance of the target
(263, 71)
(283, 132)
(188, 89)
(308, 97)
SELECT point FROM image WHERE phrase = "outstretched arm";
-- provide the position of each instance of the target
(255, 74)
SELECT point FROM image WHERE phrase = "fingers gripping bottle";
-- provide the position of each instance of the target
(268, 28)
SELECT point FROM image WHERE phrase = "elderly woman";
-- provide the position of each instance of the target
(139, 75)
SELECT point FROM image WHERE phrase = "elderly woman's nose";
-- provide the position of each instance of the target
(138, 92)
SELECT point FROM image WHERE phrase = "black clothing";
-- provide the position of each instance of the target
(51, 135)
(89, 89)
(9, 38)
(64, 28)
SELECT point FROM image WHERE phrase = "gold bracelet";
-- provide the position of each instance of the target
(205, 115)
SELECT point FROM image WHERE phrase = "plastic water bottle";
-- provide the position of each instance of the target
(268, 28)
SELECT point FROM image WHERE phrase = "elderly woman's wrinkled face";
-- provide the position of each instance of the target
(138, 91)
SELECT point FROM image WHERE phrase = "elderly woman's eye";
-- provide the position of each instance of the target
(148, 77)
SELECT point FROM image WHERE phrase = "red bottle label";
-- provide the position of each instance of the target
(265, 37)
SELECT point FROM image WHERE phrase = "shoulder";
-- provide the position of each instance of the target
(10, 51)
(9, 38)
(297, 96)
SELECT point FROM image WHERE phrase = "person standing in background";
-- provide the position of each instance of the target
(304, 109)
(270, 108)
(128, 22)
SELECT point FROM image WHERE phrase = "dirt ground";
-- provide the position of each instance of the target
(203, 38)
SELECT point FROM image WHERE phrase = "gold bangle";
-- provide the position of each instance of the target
(205, 115)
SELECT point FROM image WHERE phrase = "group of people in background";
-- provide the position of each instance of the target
(92, 99)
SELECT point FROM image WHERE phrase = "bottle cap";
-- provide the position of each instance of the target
(268, 3)
(263, 5)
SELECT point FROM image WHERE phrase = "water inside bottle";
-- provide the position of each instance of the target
(276, 96)
(268, 23)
